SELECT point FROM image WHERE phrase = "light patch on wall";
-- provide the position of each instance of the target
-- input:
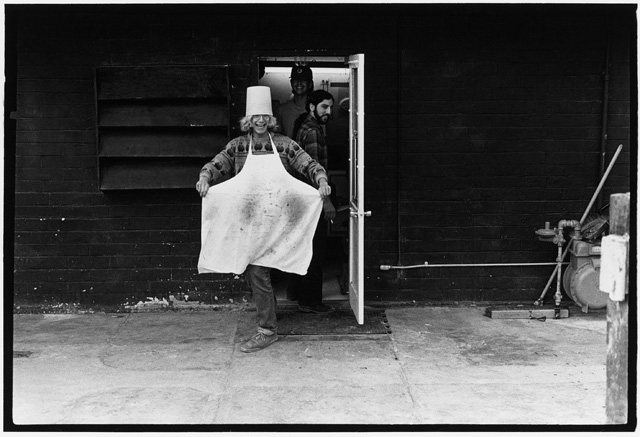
(332, 79)
(287, 70)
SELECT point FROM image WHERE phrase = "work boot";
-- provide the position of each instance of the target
(319, 308)
(259, 341)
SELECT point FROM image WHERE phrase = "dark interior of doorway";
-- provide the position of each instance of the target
(332, 76)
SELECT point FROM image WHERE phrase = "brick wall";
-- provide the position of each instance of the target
(73, 243)
(501, 118)
(481, 126)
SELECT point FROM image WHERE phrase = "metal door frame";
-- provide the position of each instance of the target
(356, 186)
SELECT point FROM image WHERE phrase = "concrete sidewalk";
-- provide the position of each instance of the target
(440, 365)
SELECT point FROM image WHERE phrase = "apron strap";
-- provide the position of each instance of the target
(273, 146)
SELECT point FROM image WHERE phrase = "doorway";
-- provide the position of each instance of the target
(330, 74)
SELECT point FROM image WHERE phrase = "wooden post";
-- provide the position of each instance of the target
(617, 403)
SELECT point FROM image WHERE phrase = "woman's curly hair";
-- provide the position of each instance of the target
(245, 123)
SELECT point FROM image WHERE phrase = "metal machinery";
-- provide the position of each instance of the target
(581, 278)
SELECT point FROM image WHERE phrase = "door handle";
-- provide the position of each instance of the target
(364, 214)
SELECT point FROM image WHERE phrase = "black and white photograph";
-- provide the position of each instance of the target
(320, 217)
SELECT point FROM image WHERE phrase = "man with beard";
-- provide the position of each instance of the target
(301, 86)
(309, 134)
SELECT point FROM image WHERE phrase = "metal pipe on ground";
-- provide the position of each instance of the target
(426, 264)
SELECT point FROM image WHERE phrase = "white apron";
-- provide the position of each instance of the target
(262, 216)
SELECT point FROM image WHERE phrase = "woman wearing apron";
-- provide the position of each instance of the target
(262, 217)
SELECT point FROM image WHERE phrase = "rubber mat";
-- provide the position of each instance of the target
(338, 322)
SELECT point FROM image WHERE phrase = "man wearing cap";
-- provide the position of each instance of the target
(261, 164)
(301, 86)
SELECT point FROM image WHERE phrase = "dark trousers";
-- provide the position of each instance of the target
(308, 288)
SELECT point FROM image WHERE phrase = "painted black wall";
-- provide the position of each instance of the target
(482, 123)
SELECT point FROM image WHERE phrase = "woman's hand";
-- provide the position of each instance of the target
(202, 186)
(329, 210)
(325, 189)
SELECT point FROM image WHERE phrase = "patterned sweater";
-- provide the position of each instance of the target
(230, 161)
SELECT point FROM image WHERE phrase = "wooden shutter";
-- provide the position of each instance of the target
(158, 125)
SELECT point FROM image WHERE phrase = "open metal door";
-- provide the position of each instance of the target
(356, 186)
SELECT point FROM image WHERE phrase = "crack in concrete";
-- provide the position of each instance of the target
(102, 356)
(129, 393)
(414, 402)
(227, 380)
